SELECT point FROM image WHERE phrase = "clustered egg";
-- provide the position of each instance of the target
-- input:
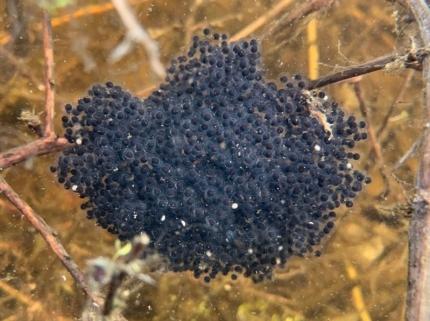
(226, 171)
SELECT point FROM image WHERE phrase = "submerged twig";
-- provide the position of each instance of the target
(412, 59)
(313, 52)
(293, 17)
(136, 33)
(40, 146)
(21, 66)
(418, 295)
(370, 129)
(416, 146)
(49, 235)
(48, 143)
(34, 306)
(44, 145)
(396, 100)
(256, 24)
(129, 261)
(357, 293)
(190, 21)
(376, 146)
(384, 123)
(48, 53)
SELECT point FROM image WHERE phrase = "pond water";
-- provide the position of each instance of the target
(361, 273)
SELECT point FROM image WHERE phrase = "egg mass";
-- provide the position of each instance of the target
(223, 169)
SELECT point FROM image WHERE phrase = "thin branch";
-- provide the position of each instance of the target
(412, 59)
(393, 105)
(107, 275)
(136, 251)
(190, 21)
(40, 146)
(83, 11)
(20, 297)
(370, 129)
(49, 235)
(256, 24)
(418, 295)
(113, 287)
(357, 293)
(376, 146)
(384, 123)
(48, 54)
(313, 50)
(416, 146)
(136, 33)
(49, 143)
(292, 18)
(22, 67)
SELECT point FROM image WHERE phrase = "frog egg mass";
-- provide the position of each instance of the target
(226, 171)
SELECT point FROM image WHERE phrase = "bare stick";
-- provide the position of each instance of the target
(22, 67)
(399, 97)
(313, 50)
(137, 33)
(190, 21)
(256, 24)
(49, 143)
(384, 123)
(22, 298)
(49, 235)
(370, 129)
(83, 11)
(136, 251)
(376, 146)
(48, 54)
(418, 295)
(113, 287)
(297, 14)
(412, 59)
(40, 146)
(416, 146)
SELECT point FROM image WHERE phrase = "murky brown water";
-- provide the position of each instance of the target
(361, 274)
